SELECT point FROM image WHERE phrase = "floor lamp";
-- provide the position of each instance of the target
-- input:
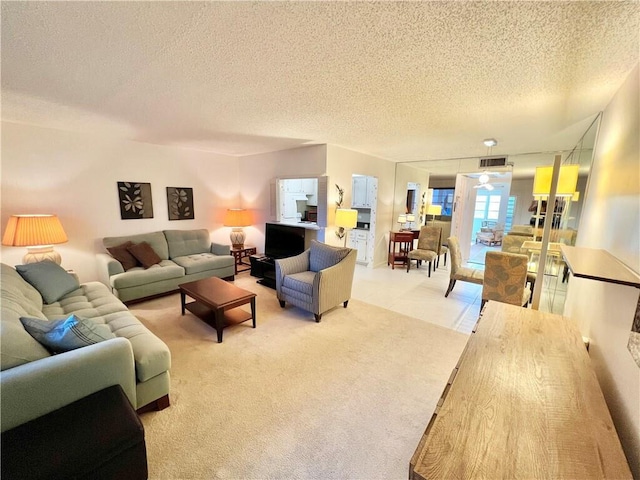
(434, 210)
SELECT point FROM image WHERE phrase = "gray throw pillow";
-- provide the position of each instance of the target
(66, 334)
(50, 279)
(323, 256)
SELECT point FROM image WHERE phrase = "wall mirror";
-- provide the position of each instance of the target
(512, 202)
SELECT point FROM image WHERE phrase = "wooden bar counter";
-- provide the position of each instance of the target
(523, 402)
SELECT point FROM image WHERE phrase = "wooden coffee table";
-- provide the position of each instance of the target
(216, 301)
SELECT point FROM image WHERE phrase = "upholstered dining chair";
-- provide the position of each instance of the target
(512, 243)
(505, 279)
(428, 247)
(316, 280)
(458, 271)
(442, 251)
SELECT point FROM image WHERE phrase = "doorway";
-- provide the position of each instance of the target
(476, 208)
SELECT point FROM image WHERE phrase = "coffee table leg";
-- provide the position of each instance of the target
(182, 301)
(253, 311)
(219, 314)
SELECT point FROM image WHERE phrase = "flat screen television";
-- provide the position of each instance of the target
(283, 241)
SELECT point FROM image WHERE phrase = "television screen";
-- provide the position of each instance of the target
(283, 241)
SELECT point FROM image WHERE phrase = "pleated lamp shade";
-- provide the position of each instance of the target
(36, 232)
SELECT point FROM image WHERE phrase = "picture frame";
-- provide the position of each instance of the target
(135, 200)
(180, 203)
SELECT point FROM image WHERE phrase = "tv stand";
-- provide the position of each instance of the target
(264, 268)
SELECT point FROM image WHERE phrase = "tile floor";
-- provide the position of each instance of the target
(417, 295)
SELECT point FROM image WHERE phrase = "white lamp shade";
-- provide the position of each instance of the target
(411, 217)
(346, 217)
(402, 218)
(567, 180)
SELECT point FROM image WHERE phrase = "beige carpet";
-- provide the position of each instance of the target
(347, 398)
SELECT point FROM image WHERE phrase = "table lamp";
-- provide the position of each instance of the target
(346, 218)
(237, 218)
(402, 219)
(36, 232)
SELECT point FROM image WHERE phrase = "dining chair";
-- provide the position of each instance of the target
(505, 279)
(442, 250)
(427, 249)
(512, 243)
(458, 271)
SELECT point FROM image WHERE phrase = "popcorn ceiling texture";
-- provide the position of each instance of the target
(400, 80)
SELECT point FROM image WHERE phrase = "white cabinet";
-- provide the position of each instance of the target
(293, 185)
(364, 192)
(358, 239)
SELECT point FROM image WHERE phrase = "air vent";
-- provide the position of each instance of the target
(489, 162)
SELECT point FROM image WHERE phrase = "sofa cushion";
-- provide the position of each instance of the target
(19, 299)
(95, 302)
(137, 276)
(124, 256)
(157, 241)
(187, 242)
(66, 334)
(201, 262)
(144, 253)
(323, 256)
(50, 279)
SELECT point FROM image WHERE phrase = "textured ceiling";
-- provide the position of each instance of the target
(404, 81)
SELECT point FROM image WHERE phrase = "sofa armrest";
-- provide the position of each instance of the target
(108, 266)
(333, 285)
(36, 388)
(219, 249)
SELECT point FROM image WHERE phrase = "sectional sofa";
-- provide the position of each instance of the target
(185, 256)
(35, 382)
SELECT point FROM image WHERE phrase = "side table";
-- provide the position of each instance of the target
(239, 255)
(398, 256)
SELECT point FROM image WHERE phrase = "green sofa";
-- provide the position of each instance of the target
(34, 382)
(186, 256)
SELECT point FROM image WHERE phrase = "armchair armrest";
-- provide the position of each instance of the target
(108, 266)
(36, 388)
(333, 285)
(287, 266)
(219, 249)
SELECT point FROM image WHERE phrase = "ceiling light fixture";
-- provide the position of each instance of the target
(490, 142)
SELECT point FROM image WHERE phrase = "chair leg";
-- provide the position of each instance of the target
(430, 268)
(482, 302)
(408, 264)
(346, 302)
(445, 259)
(281, 303)
(452, 283)
(318, 317)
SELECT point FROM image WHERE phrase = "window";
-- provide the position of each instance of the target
(444, 198)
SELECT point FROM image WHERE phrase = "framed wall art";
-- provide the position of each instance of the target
(135, 200)
(180, 203)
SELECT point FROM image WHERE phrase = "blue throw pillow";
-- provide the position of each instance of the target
(66, 334)
(323, 256)
(50, 279)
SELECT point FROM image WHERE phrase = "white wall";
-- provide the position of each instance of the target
(75, 176)
(341, 165)
(257, 173)
(611, 221)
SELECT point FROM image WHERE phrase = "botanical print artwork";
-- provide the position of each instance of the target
(135, 200)
(180, 203)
